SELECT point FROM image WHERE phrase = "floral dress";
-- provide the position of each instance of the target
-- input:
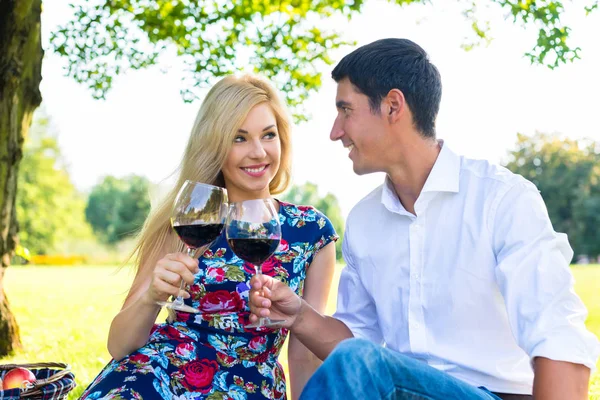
(212, 355)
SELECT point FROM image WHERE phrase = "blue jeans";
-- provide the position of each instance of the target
(359, 369)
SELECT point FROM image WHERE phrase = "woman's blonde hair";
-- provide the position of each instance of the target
(221, 115)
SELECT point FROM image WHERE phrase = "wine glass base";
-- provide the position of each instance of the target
(178, 307)
(267, 322)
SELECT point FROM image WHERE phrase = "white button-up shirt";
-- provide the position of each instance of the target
(476, 284)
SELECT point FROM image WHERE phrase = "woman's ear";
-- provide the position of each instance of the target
(395, 105)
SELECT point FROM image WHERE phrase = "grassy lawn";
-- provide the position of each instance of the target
(64, 314)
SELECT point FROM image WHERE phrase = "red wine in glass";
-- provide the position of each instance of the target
(254, 251)
(198, 235)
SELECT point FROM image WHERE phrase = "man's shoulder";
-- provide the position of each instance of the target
(484, 173)
(367, 204)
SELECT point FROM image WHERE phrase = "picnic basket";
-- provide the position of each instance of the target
(54, 382)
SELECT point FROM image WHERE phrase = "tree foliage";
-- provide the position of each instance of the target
(308, 194)
(567, 173)
(49, 208)
(285, 40)
(118, 207)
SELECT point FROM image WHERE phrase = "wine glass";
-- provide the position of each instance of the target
(253, 233)
(198, 218)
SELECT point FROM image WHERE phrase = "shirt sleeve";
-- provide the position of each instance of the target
(547, 318)
(355, 306)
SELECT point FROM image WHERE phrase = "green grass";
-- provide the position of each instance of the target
(64, 314)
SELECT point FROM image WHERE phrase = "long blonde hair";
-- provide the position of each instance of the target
(222, 113)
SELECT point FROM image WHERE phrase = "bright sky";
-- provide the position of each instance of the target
(489, 95)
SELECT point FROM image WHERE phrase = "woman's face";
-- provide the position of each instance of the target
(254, 157)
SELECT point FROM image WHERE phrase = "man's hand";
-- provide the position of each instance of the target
(274, 299)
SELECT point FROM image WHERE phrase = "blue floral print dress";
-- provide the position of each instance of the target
(212, 355)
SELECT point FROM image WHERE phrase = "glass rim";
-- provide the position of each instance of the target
(265, 200)
(208, 185)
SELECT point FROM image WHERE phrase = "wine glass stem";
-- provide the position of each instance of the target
(179, 299)
(258, 271)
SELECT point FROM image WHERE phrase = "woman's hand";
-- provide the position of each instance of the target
(167, 276)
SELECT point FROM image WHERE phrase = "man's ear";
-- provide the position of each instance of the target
(395, 105)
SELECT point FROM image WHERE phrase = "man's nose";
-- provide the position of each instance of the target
(336, 130)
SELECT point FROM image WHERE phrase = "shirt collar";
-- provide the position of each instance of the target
(445, 174)
(444, 177)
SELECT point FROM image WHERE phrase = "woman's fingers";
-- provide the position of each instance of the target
(178, 268)
(168, 289)
(190, 263)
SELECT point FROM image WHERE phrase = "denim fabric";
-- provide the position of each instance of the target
(359, 369)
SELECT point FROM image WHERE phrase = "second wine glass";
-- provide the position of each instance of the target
(253, 233)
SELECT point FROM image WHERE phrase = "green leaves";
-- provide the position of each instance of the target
(117, 208)
(552, 48)
(234, 273)
(308, 194)
(281, 40)
(288, 41)
(50, 211)
(567, 173)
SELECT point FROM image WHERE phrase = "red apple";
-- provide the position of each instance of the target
(17, 377)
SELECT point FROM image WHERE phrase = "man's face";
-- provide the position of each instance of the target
(361, 131)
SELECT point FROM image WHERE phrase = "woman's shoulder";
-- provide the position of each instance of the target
(299, 210)
(302, 215)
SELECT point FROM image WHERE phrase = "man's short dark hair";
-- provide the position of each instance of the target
(386, 64)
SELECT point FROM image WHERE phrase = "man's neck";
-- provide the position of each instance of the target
(409, 175)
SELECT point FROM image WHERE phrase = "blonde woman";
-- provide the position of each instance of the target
(241, 141)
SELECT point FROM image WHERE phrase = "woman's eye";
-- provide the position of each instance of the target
(239, 139)
(270, 135)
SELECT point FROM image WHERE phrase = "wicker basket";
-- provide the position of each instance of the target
(54, 382)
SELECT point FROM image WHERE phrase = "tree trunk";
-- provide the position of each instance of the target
(20, 76)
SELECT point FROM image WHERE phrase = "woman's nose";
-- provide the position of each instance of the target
(258, 151)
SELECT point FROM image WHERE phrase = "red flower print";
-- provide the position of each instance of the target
(225, 360)
(268, 267)
(173, 334)
(220, 253)
(257, 343)
(250, 387)
(283, 246)
(221, 301)
(194, 291)
(139, 358)
(218, 274)
(184, 349)
(238, 381)
(198, 375)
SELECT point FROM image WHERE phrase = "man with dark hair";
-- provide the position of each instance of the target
(452, 263)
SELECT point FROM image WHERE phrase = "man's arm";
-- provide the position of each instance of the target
(319, 333)
(356, 312)
(546, 315)
(558, 380)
